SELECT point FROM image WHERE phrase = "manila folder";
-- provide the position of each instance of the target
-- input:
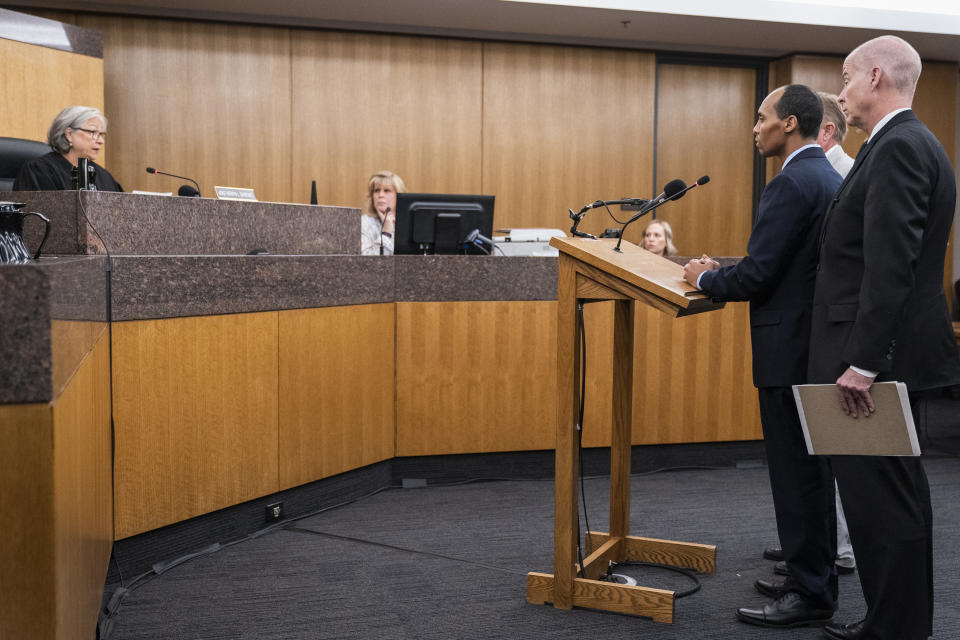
(889, 431)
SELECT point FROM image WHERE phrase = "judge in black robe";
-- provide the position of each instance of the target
(77, 132)
(51, 172)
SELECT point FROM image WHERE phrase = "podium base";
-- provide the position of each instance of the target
(590, 593)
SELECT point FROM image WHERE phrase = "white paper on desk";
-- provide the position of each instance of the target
(827, 430)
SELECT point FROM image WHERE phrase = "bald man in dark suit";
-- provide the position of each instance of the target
(880, 313)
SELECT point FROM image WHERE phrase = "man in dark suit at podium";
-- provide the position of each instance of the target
(777, 278)
(880, 313)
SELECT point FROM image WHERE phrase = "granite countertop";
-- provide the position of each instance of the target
(145, 287)
(98, 222)
(53, 310)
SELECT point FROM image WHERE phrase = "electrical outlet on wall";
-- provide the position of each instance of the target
(274, 512)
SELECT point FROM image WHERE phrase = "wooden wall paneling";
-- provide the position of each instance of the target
(336, 389)
(37, 82)
(935, 103)
(205, 100)
(195, 403)
(598, 410)
(55, 490)
(83, 495)
(366, 102)
(709, 135)
(693, 378)
(475, 376)
(69, 17)
(564, 126)
(27, 564)
(779, 72)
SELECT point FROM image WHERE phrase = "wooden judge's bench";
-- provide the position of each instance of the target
(229, 377)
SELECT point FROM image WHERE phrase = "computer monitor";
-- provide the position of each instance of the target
(431, 223)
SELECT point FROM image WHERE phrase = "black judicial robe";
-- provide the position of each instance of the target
(51, 172)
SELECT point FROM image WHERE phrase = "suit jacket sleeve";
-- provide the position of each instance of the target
(894, 217)
(781, 226)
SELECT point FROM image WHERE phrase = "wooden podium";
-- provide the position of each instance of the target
(591, 270)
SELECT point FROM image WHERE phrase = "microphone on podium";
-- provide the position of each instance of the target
(151, 170)
(673, 190)
(683, 190)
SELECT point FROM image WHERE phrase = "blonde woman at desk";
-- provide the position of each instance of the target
(379, 213)
(658, 238)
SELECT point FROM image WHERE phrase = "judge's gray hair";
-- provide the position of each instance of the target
(74, 117)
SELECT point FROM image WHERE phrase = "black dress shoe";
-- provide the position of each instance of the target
(790, 610)
(774, 588)
(843, 631)
(773, 553)
(845, 571)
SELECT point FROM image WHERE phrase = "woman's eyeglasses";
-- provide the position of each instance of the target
(96, 135)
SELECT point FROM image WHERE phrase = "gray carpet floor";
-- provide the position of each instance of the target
(449, 562)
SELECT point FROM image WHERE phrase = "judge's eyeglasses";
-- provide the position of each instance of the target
(96, 135)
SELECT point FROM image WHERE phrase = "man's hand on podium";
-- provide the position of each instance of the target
(693, 269)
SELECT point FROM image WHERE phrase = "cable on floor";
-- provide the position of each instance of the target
(384, 545)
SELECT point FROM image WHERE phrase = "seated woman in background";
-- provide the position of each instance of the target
(379, 214)
(77, 132)
(658, 238)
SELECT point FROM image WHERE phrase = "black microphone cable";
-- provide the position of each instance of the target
(579, 428)
(104, 625)
(382, 222)
(582, 540)
(613, 217)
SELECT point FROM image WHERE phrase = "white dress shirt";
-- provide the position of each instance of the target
(839, 160)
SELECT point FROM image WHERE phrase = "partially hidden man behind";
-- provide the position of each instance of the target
(833, 130)
(880, 314)
(777, 278)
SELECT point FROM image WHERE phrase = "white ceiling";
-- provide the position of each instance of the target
(747, 27)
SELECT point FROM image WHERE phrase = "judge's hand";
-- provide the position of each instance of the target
(694, 268)
(854, 390)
